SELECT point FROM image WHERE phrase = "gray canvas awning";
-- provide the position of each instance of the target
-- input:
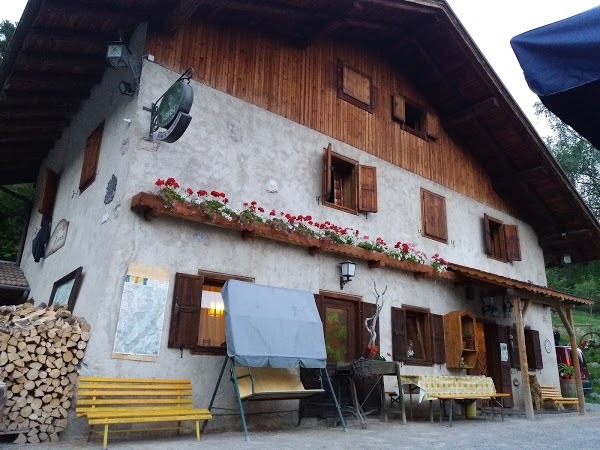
(272, 327)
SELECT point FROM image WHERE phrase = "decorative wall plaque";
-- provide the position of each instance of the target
(58, 237)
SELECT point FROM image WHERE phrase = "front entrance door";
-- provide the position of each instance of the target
(498, 362)
(340, 328)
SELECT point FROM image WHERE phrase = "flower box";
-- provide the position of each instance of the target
(151, 206)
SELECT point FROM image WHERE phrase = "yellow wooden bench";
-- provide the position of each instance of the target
(113, 401)
(553, 394)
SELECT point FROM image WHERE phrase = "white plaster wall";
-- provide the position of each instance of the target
(238, 148)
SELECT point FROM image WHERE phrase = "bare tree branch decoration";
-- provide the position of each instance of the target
(373, 320)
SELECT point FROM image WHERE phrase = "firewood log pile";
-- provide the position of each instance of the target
(40, 349)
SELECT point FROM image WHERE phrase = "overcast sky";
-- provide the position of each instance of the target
(491, 24)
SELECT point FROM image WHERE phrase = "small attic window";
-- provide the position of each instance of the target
(415, 117)
(355, 87)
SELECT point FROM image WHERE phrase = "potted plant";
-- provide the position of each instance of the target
(567, 380)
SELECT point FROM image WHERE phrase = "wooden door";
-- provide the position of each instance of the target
(496, 338)
(480, 367)
(340, 326)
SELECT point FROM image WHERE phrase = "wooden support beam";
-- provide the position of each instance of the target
(406, 6)
(115, 14)
(471, 113)
(526, 304)
(565, 321)
(516, 301)
(576, 365)
(59, 78)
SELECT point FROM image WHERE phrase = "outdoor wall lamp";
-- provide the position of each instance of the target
(348, 269)
(565, 259)
(118, 55)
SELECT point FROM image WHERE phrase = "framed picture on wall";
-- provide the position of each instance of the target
(65, 290)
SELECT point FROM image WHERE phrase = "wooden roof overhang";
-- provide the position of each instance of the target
(58, 54)
(539, 294)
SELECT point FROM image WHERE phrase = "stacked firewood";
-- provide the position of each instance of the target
(39, 352)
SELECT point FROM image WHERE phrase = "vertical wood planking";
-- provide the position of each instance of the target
(301, 85)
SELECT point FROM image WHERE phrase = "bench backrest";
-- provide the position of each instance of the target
(139, 393)
(550, 391)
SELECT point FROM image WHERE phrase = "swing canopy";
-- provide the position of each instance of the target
(269, 326)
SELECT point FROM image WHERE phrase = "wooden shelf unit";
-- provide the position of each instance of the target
(459, 337)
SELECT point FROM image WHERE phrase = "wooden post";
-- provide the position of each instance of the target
(516, 301)
(576, 365)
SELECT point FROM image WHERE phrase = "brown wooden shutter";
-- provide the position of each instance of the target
(480, 367)
(185, 311)
(432, 127)
(437, 330)
(513, 246)
(433, 216)
(327, 182)
(533, 349)
(513, 348)
(487, 235)
(367, 310)
(367, 188)
(48, 193)
(90, 158)
(398, 334)
(398, 108)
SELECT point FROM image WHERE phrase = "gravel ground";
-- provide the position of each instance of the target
(548, 431)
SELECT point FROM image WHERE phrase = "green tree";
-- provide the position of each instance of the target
(579, 159)
(7, 29)
(581, 162)
(13, 214)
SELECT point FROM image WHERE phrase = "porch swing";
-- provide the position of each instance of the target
(271, 333)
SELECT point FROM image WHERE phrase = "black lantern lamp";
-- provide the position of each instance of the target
(348, 269)
(118, 55)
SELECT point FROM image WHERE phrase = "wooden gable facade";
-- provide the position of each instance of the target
(302, 85)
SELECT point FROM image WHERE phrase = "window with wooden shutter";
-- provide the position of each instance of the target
(412, 336)
(501, 240)
(367, 189)
(185, 311)
(432, 126)
(90, 158)
(398, 334)
(513, 246)
(48, 193)
(347, 185)
(355, 87)
(533, 348)
(412, 118)
(433, 216)
(437, 329)
(197, 315)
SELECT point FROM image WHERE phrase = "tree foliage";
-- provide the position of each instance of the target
(7, 29)
(13, 214)
(581, 162)
(579, 159)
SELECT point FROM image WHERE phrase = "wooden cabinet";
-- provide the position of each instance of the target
(460, 340)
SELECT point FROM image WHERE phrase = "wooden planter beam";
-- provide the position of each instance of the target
(152, 206)
(516, 301)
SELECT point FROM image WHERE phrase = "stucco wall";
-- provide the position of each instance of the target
(235, 147)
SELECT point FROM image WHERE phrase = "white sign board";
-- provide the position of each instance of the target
(139, 328)
(57, 238)
(503, 351)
